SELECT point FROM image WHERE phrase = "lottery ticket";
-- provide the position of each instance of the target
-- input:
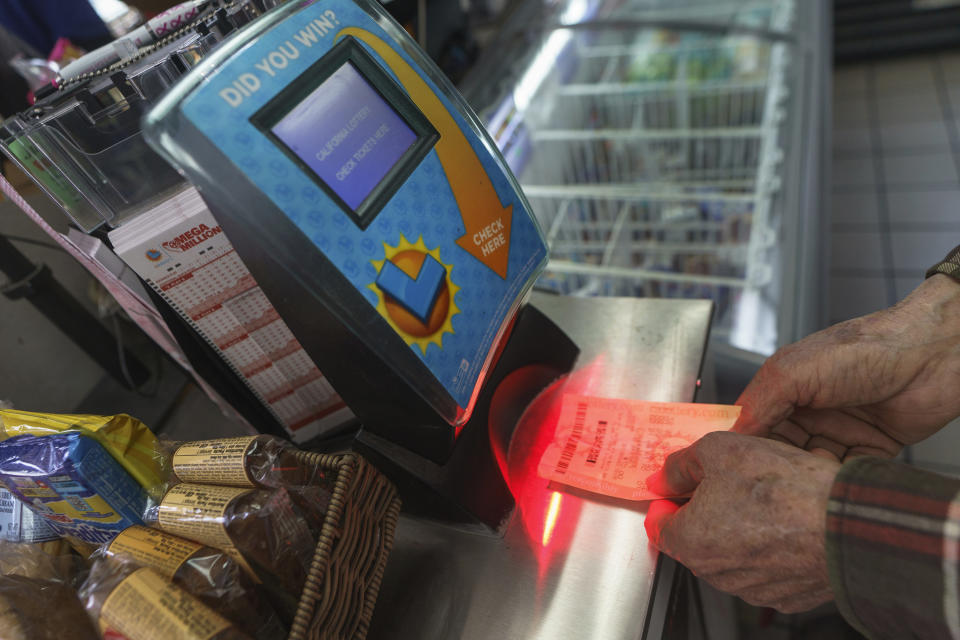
(610, 446)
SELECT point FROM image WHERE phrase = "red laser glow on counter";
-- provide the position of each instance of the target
(518, 452)
(548, 517)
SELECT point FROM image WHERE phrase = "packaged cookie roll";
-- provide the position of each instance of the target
(35, 609)
(207, 573)
(259, 528)
(257, 462)
(140, 604)
(248, 461)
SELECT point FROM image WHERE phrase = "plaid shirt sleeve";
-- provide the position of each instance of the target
(893, 549)
(950, 265)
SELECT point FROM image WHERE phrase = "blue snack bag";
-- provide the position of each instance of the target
(74, 484)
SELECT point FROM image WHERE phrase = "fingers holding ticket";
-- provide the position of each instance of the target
(610, 446)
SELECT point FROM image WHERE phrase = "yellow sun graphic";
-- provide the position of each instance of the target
(409, 258)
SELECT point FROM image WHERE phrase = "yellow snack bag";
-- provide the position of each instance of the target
(127, 439)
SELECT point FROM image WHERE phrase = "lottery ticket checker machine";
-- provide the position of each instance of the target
(383, 224)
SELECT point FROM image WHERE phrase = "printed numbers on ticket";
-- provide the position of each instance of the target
(610, 446)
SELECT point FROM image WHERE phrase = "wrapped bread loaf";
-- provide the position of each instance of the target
(207, 573)
(34, 609)
(140, 604)
(52, 560)
(262, 529)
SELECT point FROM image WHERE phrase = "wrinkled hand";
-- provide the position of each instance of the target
(756, 524)
(867, 386)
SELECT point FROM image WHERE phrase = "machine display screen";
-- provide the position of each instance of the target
(349, 126)
(347, 134)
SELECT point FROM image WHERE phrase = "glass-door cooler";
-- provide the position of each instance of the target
(673, 149)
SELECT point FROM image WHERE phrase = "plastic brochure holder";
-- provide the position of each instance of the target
(82, 145)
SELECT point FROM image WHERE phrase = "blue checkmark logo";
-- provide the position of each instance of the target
(416, 295)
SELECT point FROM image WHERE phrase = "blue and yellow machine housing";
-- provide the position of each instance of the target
(369, 203)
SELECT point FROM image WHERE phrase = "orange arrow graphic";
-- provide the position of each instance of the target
(485, 219)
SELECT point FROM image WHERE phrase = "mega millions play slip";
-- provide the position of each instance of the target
(610, 446)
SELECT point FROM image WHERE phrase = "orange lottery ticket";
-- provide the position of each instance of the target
(610, 446)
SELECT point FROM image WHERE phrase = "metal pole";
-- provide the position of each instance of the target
(422, 24)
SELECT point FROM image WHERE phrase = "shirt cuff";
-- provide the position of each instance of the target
(950, 266)
(892, 549)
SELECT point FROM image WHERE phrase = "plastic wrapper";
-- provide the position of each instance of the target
(20, 524)
(262, 529)
(137, 603)
(252, 461)
(249, 461)
(37, 72)
(126, 439)
(41, 560)
(33, 609)
(207, 573)
(70, 480)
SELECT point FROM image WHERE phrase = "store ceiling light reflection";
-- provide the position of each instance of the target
(545, 60)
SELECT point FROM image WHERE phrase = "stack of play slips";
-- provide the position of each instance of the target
(70, 480)
(182, 253)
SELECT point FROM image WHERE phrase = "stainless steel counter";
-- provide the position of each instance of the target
(566, 567)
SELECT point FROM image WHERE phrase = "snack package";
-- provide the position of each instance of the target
(140, 604)
(262, 529)
(42, 560)
(72, 482)
(248, 461)
(20, 524)
(207, 573)
(256, 462)
(32, 609)
(127, 439)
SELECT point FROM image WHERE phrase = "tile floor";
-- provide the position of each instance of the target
(896, 192)
(896, 178)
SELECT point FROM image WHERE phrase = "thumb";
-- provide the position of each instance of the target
(680, 475)
(659, 515)
(769, 398)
